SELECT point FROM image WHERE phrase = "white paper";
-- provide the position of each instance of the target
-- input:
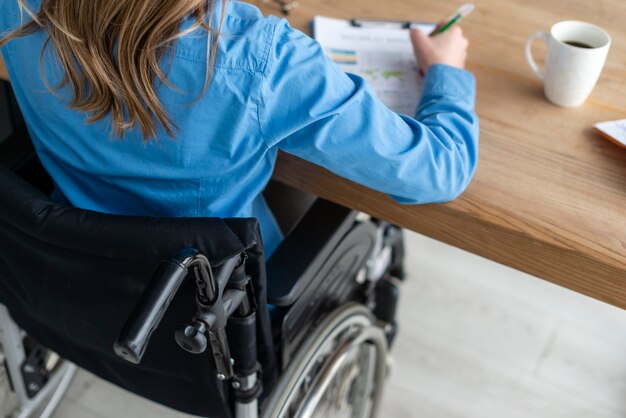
(382, 56)
(616, 129)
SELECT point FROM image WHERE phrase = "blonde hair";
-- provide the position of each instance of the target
(111, 50)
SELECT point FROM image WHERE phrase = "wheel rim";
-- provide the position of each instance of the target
(341, 364)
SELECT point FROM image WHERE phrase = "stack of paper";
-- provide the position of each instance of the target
(614, 131)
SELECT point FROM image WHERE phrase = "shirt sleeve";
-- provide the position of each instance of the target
(311, 109)
(10, 17)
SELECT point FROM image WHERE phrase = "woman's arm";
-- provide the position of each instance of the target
(312, 109)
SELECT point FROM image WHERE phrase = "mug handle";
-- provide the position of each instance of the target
(529, 56)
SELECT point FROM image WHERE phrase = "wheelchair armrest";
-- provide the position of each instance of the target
(302, 253)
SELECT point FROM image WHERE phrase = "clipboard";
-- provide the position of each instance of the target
(385, 23)
(380, 52)
(366, 23)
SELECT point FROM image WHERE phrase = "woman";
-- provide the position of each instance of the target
(178, 108)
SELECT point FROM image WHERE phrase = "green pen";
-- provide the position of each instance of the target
(463, 11)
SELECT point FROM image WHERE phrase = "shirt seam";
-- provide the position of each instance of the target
(201, 60)
(186, 55)
(269, 42)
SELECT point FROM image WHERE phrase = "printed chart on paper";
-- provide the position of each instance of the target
(382, 56)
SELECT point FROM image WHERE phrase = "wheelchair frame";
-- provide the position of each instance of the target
(30, 395)
(219, 300)
(307, 366)
(312, 367)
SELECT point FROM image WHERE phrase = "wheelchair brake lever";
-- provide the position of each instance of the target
(214, 305)
(207, 289)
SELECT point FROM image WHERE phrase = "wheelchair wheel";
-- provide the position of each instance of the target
(338, 371)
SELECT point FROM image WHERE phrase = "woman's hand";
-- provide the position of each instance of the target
(448, 48)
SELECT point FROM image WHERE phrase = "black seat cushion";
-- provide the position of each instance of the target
(71, 277)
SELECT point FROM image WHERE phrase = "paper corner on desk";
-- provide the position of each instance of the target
(613, 130)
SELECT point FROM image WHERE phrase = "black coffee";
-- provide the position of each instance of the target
(578, 44)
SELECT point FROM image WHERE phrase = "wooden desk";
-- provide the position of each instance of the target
(4, 75)
(549, 196)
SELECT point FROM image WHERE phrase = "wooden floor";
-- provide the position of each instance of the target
(477, 340)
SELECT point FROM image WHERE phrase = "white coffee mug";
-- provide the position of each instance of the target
(576, 54)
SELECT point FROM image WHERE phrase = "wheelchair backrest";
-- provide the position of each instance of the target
(71, 277)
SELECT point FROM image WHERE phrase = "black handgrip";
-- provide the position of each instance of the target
(149, 311)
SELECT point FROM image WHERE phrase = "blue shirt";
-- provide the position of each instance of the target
(273, 88)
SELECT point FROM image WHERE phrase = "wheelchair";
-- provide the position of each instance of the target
(186, 312)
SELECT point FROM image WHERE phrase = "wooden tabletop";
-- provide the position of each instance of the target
(549, 195)
(3, 70)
